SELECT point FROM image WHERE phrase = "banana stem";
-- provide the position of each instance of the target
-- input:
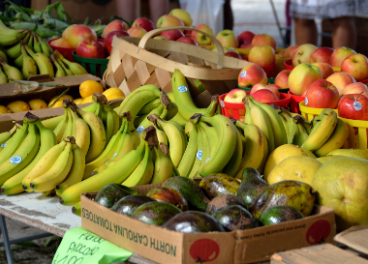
(57, 99)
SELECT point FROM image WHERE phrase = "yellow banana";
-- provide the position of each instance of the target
(187, 161)
(11, 72)
(59, 70)
(163, 165)
(4, 136)
(10, 146)
(233, 165)
(60, 128)
(43, 63)
(3, 77)
(11, 37)
(29, 67)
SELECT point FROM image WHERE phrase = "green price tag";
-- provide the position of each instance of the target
(80, 246)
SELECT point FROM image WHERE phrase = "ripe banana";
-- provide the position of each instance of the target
(15, 51)
(187, 161)
(163, 164)
(232, 166)
(3, 56)
(44, 46)
(70, 124)
(80, 132)
(147, 108)
(76, 172)
(59, 70)
(60, 128)
(335, 141)
(323, 126)
(289, 124)
(301, 134)
(111, 120)
(146, 122)
(11, 37)
(4, 136)
(48, 140)
(74, 67)
(66, 70)
(11, 72)
(29, 67)
(36, 44)
(58, 171)
(3, 77)
(43, 63)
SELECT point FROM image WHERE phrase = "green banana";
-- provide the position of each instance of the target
(43, 63)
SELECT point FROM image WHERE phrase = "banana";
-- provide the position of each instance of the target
(43, 63)
(212, 136)
(77, 208)
(29, 67)
(58, 171)
(66, 70)
(36, 45)
(44, 46)
(23, 155)
(43, 165)
(11, 72)
(80, 131)
(52, 123)
(335, 141)
(10, 146)
(256, 149)
(7, 134)
(261, 120)
(3, 27)
(69, 126)
(323, 126)
(47, 141)
(289, 124)
(187, 161)
(225, 145)
(3, 77)
(3, 56)
(233, 165)
(11, 37)
(74, 67)
(196, 167)
(147, 108)
(15, 51)
(161, 136)
(279, 131)
(76, 172)
(117, 173)
(59, 70)
(98, 134)
(146, 122)
(301, 135)
(143, 173)
(163, 165)
(112, 121)
(60, 128)
(184, 101)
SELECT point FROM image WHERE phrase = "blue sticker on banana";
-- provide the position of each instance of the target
(140, 129)
(199, 154)
(182, 89)
(3, 145)
(113, 156)
(207, 159)
(16, 159)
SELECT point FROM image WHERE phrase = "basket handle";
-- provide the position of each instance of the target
(142, 43)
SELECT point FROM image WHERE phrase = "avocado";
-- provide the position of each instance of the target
(128, 204)
(111, 193)
(235, 217)
(222, 201)
(193, 222)
(155, 213)
(194, 195)
(219, 184)
(168, 195)
(251, 186)
(296, 194)
(279, 214)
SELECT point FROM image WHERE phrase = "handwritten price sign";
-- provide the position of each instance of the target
(80, 246)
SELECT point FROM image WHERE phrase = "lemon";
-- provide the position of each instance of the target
(296, 168)
(113, 93)
(88, 88)
(88, 100)
(78, 101)
(4, 110)
(59, 103)
(18, 106)
(36, 104)
(283, 152)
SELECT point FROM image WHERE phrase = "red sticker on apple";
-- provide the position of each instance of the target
(318, 232)
(204, 250)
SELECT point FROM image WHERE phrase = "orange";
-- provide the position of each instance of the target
(78, 101)
(18, 106)
(88, 100)
(113, 93)
(4, 110)
(88, 88)
(36, 104)
(59, 103)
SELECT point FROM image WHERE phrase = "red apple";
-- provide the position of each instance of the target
(188, 33)
(302, 54)
(265, 96)
(188, 40)
(109, 37)
(251, 75)
(322, 54)
(144, 23)
(288, 53)
(61, 43)
(260, 86)
(115, 25)
(357, 66)
(90, 48)
(183, 15)
(282, 79)
(264, 39)
(67, 32)
(354, 106)
(78, 33)
(245, 37)
(172, 34)
(302, 76)
(169, 21)
(233, 54)
(355, 88)
(325, 68)
(322, 94)
(262, 55)
(340, 80)
(227, 39)
(339, 55)
(235, 96)
(246, 46)
(137, 32)
(201, 39)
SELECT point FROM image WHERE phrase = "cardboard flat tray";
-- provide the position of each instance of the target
(355, 237)
(164, 246)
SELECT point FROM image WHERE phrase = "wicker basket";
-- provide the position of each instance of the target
(135, 62)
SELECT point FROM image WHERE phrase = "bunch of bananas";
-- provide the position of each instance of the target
(65, 67)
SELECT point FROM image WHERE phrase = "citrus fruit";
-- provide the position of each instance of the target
(88, 100)
(59, 103)
(4, 110)
(88, 88)
(36, 104)
(18, 106)
(113, 93)
(78, 101)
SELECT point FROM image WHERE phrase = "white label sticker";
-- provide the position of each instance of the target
(16, 159)
(306, 101)
(207, 159)
(243, 73)
(3, 145)
(357, 106)
(182, 89)
(199, 154)
(113, 156)
(222, 103)
(140, 129)
(231, 49)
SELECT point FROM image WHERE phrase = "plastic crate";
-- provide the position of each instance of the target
(66, 52)
(294, 102)
(288, 64)
(310, 112)
(358, 133)
(96, 67)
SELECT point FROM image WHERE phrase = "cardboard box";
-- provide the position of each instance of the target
(355, 237)
(164, 246)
